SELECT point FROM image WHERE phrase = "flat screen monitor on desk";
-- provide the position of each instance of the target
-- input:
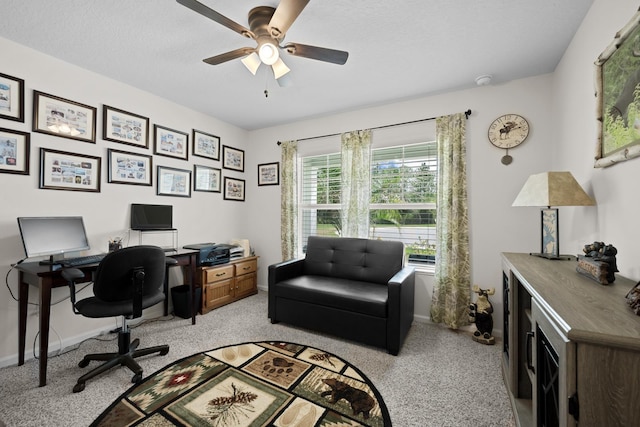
(52, 236)
(151, 217)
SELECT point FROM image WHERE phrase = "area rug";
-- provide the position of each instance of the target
(252, 384)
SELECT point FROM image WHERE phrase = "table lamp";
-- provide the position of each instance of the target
(551, 189)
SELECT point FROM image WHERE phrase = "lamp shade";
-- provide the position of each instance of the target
(252, 62)
(552, 189)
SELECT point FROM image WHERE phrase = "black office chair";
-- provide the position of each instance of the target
(126, 282)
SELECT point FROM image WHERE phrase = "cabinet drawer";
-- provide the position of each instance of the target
(246, 267)
(218, 273)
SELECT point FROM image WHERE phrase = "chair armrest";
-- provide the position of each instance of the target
(170, 262)
(71, 275)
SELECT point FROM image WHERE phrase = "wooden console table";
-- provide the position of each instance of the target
(571, 345)
(46, 278)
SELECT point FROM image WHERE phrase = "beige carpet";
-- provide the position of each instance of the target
(440, 377)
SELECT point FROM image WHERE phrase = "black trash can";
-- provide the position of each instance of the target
(182, 300)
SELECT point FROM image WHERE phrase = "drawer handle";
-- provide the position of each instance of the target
(530, 336)
(247, 268)
(220, 274)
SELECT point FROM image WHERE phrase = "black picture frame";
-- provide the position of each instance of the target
(205, 145)
(62, 170)
(170, 142)
(129, 168)
(124, 127)
(269, 174)
(61, 117)
(15, 150)
(173, 182)
(207, 179)
(234, 189)
(232, 158)
(11, 98)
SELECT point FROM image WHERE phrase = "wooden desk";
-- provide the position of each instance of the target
(46, 278)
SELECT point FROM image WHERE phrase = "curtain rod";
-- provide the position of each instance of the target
(466, 113)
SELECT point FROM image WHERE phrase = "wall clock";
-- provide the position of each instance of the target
(508, 131)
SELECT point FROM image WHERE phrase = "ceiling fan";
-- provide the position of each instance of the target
(268, 27)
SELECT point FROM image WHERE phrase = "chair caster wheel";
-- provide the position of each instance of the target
(137, 378)
(83, 363)
(78, 387)
(164, 352)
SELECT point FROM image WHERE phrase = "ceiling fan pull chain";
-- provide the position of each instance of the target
(266, 85)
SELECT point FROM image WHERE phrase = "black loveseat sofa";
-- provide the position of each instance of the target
(353, 288)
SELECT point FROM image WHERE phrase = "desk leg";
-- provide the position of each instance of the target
(166, 291)
(45, 312)
(23, 298)
(192, 281)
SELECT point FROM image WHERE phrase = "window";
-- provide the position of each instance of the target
(403, 197)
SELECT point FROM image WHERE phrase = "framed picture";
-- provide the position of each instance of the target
(124, 127)
(549, 219)
(206, 145)
(174, 182)
(170, 142)
(233, 189)
(14, 151)
(206, 178)
(130, 168)
(60, 170)
(269, 174)
(60, 117)
(11, 98)
(618, 97)
(232, 158)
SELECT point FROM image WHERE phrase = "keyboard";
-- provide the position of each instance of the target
(83, 260)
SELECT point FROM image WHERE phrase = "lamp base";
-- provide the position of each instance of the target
(553, 257)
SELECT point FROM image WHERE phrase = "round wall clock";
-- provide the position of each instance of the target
(508, 131)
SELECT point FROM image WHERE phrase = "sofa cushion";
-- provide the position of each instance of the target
(349, 295)
(363, 260)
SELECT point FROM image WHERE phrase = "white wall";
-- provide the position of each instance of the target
(614, 219)
(495, 225)
(203, 217)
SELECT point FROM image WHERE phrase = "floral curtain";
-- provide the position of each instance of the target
(356, 183)
(289, 201)
(452, 288)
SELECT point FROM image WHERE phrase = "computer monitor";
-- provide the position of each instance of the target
(52, 236)
(151, 217)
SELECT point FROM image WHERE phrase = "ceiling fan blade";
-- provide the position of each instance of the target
(320, 53)
(228, 56)
(200, 8)
(286, 12)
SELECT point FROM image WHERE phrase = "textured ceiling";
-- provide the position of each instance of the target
(398, 49)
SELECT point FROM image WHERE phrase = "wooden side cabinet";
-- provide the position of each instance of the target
(226, 283)
(572, 352)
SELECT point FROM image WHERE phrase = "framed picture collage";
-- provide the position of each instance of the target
(63, 168)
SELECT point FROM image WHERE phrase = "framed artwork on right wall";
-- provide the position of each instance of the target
(618, 93)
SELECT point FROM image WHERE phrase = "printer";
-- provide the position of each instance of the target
(211, 254)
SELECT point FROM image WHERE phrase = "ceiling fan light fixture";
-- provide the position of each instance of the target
(279, 68)
(252, 62)
(268, 53)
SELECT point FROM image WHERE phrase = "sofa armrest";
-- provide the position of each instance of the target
(401, 308)
(277, 273)
(285, 270)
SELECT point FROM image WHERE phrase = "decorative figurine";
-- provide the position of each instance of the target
(598, 262)
(480, 313)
